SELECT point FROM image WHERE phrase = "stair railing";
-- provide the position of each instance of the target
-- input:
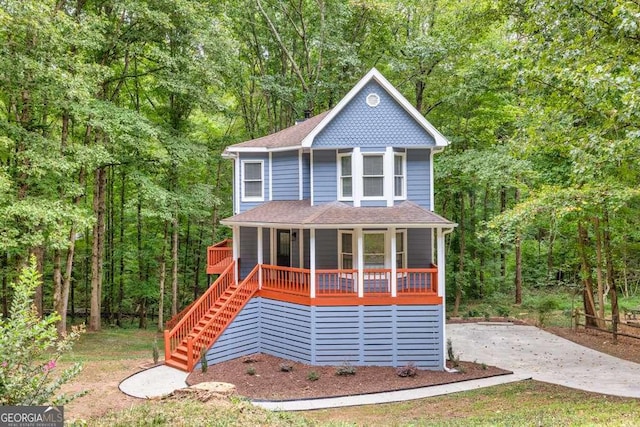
(179, 333)
(203, 339)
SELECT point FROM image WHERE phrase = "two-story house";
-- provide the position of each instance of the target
(336, 255)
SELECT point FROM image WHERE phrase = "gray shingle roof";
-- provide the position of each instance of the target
(289, 137)
(301, 213)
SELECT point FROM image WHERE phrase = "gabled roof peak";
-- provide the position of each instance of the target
(374, 74)
(302, 134)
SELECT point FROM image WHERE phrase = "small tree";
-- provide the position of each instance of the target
(30, 349)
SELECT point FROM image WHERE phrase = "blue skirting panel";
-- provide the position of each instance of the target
(361, 335)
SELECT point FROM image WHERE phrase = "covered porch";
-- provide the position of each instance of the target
(337, 254)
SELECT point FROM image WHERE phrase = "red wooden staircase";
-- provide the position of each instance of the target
(207, 319)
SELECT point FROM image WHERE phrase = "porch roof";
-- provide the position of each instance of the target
(336, 214)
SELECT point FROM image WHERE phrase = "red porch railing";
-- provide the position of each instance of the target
(174, 337)
(203, 337)
(219, 256)
(417, 281)
(295, 281)
(336, 283)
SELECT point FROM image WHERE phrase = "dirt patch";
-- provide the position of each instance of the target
(626, 348)
(101, 380)
(263, 376)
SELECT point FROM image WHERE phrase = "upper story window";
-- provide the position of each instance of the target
(373, 175)
(252, 180)
(346, 176)
(399, 176)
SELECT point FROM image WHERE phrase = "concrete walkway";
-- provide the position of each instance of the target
(526, 350)
(154, 382)
(532, 352)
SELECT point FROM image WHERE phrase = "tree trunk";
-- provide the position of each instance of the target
(97, 250)
(122, 243)
(163, 275)
(587, 280)
(174, 271)
(503, 248)
(460, 279)
(38, 252)
(61, 325)
(599, 275)
(613, 290)
(518, 255)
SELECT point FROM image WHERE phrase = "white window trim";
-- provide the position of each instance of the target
(242, 180)
(339, 157)
(404, 233)
(404, 176)
(340, 251)
(386, 254)
(361, 177)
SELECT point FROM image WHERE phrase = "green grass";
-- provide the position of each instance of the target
(527, 403)
(114, 344)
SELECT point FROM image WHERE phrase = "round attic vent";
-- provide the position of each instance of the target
(373, 99)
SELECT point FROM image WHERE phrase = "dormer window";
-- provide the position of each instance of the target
(252, 181)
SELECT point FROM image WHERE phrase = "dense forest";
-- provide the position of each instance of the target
(114, 114)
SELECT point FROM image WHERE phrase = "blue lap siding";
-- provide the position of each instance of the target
(360, 335)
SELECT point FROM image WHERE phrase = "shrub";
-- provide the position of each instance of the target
(346, 369)
(30, 349)
(251, 370)
(544, 307)
(155, 352)
(286, 367)
(204, 363)
(408, 370)
(313, 376)
(451, 355)
(503, 311)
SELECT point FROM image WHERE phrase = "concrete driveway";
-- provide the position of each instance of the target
(527, 350)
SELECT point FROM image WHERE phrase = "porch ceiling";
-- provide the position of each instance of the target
(331, 215)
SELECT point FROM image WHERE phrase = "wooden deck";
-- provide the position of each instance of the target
(336, 287)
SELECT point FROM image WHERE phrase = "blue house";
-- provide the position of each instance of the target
(336, 255)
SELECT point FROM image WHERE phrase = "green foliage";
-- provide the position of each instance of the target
(204, 363)
(251, 370)
(346, 369)
(313, 376)
(30, 350)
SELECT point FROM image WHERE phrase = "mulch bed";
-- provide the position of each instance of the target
(261, 376)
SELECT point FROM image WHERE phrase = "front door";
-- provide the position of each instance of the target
(283, 249)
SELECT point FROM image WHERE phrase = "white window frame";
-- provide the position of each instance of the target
(341, 250)
(403, 236)
(403, 196)
(362, 177)
(246, 198)
(341, 195)
(385, 248)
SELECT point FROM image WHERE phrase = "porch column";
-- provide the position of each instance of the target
(260, 257)
(441, 290)
(312, 262)
(394, 267)
(235, 230)
(360, 261)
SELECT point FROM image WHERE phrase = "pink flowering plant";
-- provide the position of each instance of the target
(30, 349)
